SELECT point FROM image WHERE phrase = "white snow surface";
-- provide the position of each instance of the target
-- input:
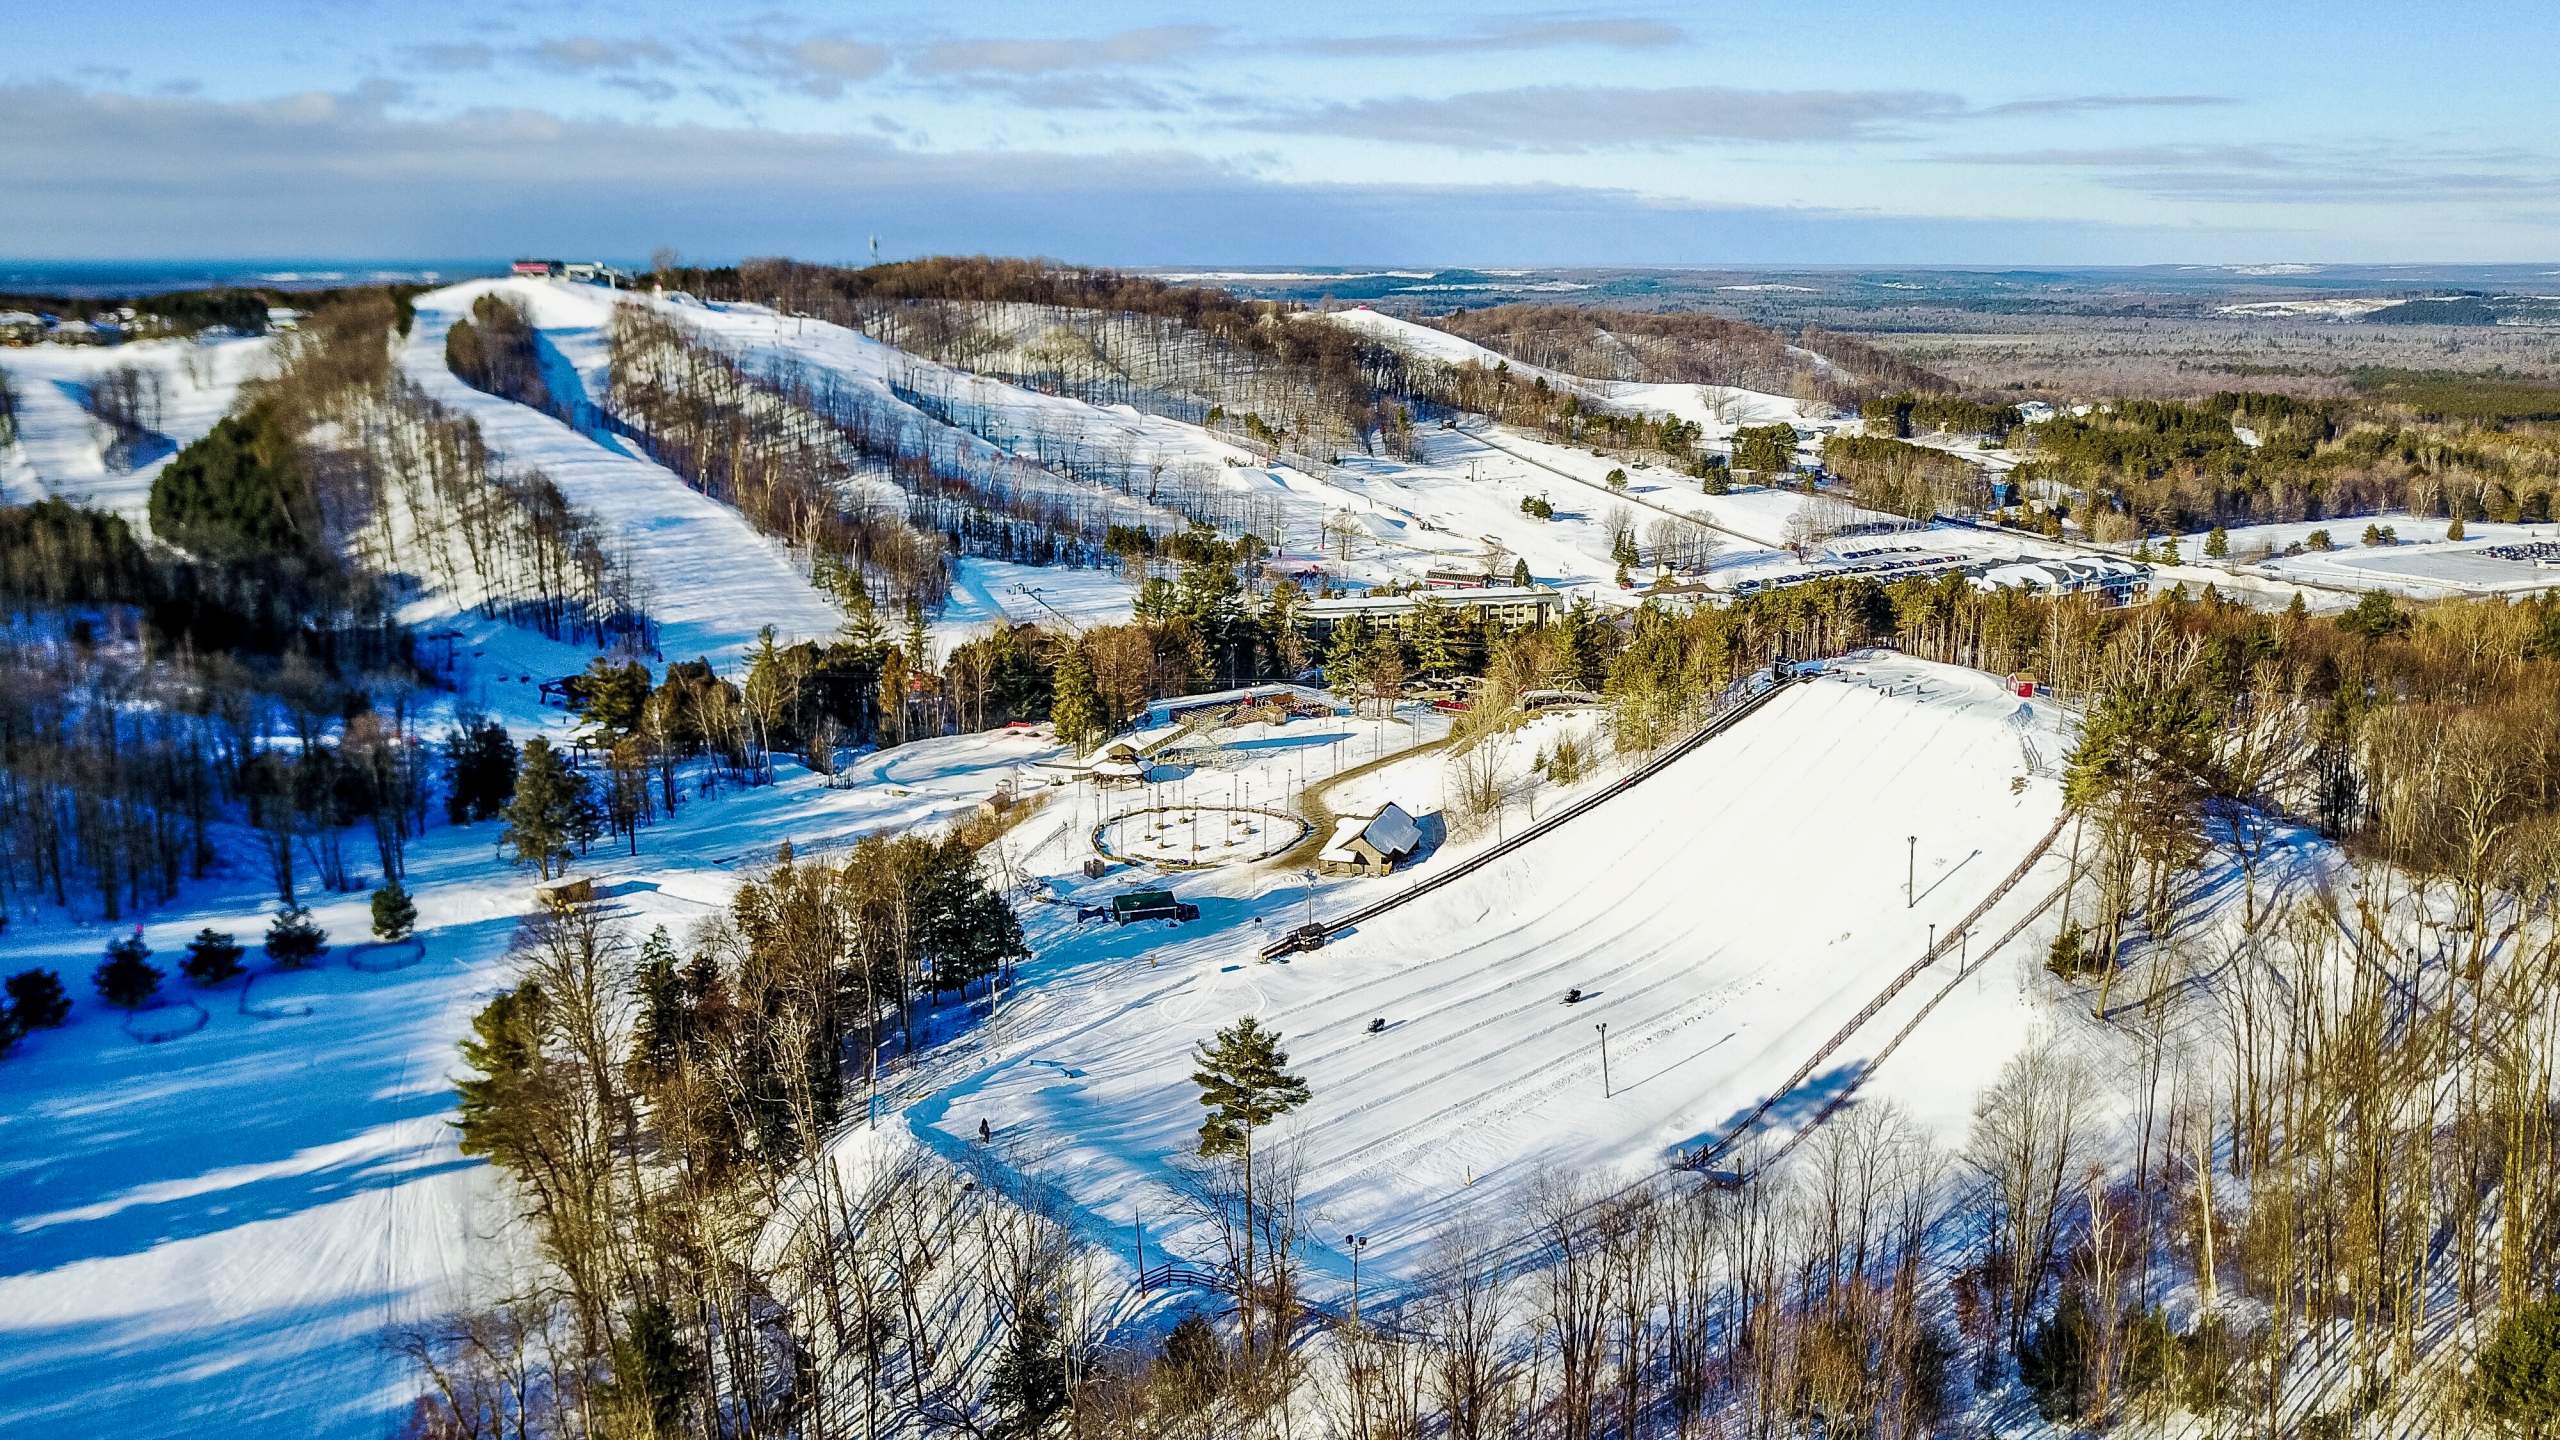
(210, 1235)
(62, 452)
(1724, 917)
(1718, 410)
(712, 580)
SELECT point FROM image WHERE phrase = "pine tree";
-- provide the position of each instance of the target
(1028, 1383)
(1346, 655)
(1245, 1084)
(212, 957)
(394, 914)
(480, 771)
(504, 1050)
(1432, 631)
(2453, 529)
(127, 977)
(293, 940)
(2217, 544)
(659, 1036)
(1520, 573)
(36, 999)
(1075, 710)
(542, 819)
(653, 1372)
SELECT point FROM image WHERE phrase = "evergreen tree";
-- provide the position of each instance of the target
(2518, 1376)
(970, 932)
(394, 914)
(293, 940)
(1028, 1383)
(480, 771)
(127, 977)
(542, 818)
(1433, 631)
(1245, 1084)
(2453, 529)
(239, 493)
(660, 1033)
(1520, 573)
(2217, 544)
(1075, 710)
(1346, 655)
(36, 999)
(654, 1370)
(212, 957)
(499, 1099)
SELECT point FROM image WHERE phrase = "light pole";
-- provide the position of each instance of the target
(1910, 873)
(1964, 953)
(1356, 1244)
(1603, 1028)
(1933, 939)
(1310, 877)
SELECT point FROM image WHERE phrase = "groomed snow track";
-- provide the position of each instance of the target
(1734, 708)
(1722, 912)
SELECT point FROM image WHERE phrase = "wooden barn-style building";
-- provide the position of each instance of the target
(1371, 844)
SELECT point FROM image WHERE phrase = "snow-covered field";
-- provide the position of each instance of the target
(62, 451)
(711, 580)
(209, 1235)
(2424, 565)
(1722, 918)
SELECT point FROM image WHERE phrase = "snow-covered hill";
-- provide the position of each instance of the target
(208, 1236)
(63, 451)
(1722, 919)
(1717, 410)
(711, 580)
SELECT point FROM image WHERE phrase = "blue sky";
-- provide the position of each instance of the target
(1314, 133)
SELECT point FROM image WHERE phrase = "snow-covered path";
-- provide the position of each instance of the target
(711, 580)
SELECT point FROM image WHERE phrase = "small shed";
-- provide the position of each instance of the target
(1370, 844)
(566, 890)
(1150, 905)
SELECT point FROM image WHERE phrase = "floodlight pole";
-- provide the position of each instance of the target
(1911, 874)
(1356, 1244)
(1605, 1091)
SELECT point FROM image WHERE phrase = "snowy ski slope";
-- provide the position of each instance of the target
(712, 581)
(1718, 410)
(61, 451)
(1723, 918)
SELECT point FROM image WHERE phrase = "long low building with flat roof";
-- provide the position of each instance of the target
(1511, 604)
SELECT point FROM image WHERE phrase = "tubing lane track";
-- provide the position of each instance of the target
(1723, 720)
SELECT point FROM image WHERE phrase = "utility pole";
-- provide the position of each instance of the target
(1910, 873)
(1605, 1091)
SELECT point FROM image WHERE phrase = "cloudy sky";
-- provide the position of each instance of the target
(1317, 132)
